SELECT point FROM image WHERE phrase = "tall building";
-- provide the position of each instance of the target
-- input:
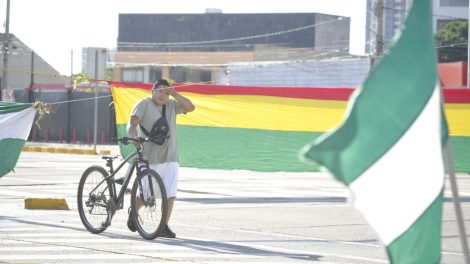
(192, 47)
(394, 14)
(395, 11)
(94, 62)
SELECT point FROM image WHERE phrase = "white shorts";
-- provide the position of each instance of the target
(168, 171)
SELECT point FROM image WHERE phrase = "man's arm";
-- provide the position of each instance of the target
(183, 101)
(132, 126)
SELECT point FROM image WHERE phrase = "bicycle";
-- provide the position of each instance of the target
(98, 200)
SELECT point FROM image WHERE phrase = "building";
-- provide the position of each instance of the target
(394, 14)
(94, 62)
(446, 11)
(25, 68)
(194, 47)
(395, 11)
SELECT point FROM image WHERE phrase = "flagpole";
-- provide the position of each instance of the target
(456, 199)
(468, 46)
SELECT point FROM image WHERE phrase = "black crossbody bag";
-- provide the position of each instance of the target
(160, 130)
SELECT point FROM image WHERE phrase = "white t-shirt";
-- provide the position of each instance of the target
(148, 113)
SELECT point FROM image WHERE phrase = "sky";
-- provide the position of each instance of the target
(53, 28)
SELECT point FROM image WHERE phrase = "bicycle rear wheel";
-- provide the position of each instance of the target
(92, 202)
(150, 211)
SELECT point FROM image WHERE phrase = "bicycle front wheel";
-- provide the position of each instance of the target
(94, 193)
(148, 204)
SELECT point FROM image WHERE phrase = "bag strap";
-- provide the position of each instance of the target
(142, 128)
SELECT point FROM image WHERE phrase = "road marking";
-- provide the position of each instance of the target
(42, 248)
(68, 257)
(281, 235)
(277, 251)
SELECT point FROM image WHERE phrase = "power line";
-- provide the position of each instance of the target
(332, 62)
(312, 56)
(453, 45)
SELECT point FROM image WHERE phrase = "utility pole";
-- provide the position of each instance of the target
(95, 127)
(468, 47)
(31, 83)
(68, 129)
(379, 39)
(6, 46)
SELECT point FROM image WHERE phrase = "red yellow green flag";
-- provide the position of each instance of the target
(262, 128)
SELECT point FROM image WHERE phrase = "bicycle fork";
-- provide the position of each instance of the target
(113, 205)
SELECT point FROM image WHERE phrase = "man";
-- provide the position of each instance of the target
(162, 158)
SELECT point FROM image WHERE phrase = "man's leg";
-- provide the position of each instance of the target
(170, 203)
(169, 174)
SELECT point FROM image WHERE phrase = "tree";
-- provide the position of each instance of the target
(452, 41)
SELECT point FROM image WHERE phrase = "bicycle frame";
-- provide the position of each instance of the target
(107, 199)
(119, 199)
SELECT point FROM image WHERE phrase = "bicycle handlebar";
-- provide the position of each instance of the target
(140, 140)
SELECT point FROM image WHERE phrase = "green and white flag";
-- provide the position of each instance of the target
(16, 120)
(389, 148)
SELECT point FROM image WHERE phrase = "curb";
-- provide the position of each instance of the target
(45, 203)
(80, 151)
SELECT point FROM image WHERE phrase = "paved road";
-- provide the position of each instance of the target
(220, 217)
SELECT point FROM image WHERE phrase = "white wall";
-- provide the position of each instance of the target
(314, 73)
(446, 12)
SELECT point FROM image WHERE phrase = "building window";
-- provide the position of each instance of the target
(133, 75)
(155, 74)
(454, 2)
(190, 75)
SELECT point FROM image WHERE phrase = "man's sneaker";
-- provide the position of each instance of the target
(130, 224)
(165, 231)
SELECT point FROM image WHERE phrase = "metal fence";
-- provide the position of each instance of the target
(72, 116)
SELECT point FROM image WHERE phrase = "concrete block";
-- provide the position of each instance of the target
(46, 203)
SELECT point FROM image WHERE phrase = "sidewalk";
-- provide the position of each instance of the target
(71, 148)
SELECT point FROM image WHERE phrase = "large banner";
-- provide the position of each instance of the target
(16, 120)
(263, 128)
